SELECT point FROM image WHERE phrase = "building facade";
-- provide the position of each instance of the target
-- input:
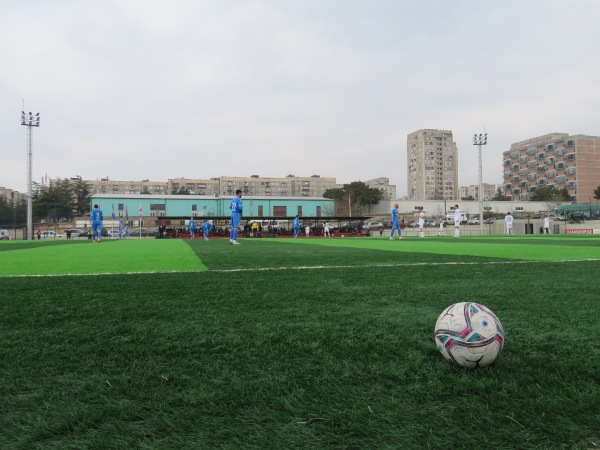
(388, 191)
(12, 197)
(289, 186)
(432, 165)
(555, 160)
(157, 206)
(489, 191)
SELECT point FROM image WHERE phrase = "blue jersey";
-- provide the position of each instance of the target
(192, 225)
(206, 227)
(236, 205)
(236, 211)
(394, 214)
(296, 223)
(120, 225)
(96, 216)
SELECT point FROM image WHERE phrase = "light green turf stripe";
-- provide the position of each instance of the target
(449, 246)
(126, 256)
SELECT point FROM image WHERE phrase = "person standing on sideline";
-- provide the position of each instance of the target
(206, 227)
(296, 226)
(326, 231)
(192, 227)
(96, 217)
(236, 216)
(421, 218)
(307, 231)
(457, 221)
(509, 224)
(547, 225)
(395, 223)
(120, 229)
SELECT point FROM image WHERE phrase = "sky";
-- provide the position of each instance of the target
(132, 90)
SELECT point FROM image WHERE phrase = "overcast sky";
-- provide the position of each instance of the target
(150, 89)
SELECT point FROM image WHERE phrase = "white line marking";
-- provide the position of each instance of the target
(266, 269)
(448, 263)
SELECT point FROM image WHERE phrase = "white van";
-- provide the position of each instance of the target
(4, 235)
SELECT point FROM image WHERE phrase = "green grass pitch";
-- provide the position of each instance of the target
(295, 344)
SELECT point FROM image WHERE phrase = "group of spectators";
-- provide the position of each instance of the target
(165, 232)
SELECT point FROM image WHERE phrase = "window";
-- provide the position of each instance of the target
(518, 208)
(279, 211)
(260, 210)
(300, 210)
(318, 211)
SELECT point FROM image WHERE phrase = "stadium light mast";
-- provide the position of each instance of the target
(479, 140)
(29, 120)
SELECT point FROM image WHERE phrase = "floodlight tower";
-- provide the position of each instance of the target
(480, 140)
(29, 120)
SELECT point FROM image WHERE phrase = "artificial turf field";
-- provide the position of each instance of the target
(295, 343)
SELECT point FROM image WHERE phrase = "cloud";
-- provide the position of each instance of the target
(135, 90)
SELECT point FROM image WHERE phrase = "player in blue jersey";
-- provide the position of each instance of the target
(395, 223)
(236, 216)
(192, 227)
(126, 231)
(296, 226)
(96, 217)
(120, 229)
(206, 227)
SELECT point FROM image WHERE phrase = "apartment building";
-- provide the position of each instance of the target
(555, 160)
(489, 191)
(289, 186)
(106, 186)
(432, 165)
(11, 196)
(388, 191)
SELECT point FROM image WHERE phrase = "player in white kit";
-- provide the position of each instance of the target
(457, 220)
(421, 217)
(509, 224)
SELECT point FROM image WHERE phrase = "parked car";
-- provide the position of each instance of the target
(350, 226)
(489, 221)
(4, 235)
(51, 235)
(133, 232)
(375, 225)
(473, 222)
(75, 232)
(415, 224)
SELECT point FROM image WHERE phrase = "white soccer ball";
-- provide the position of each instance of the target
(469, 335)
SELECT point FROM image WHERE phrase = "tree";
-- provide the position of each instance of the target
(356, 193)
(597, 193)
(500, 197)
(82, 197)
(468, 197)
(548, 194)
(6, 212)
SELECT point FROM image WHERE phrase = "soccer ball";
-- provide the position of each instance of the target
(469, 335)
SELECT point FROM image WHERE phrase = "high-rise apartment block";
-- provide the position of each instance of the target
(432, 165)
(555, 160)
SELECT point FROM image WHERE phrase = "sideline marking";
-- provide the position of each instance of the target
(448, 263)
(266, 269)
